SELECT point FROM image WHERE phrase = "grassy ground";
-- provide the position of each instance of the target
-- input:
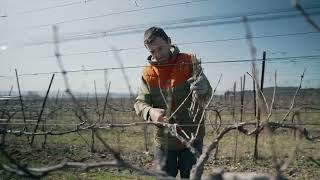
(130, 143)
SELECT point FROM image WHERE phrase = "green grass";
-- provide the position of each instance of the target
(130, 142)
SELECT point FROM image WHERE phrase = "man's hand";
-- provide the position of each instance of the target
(199, 85)
(157, 114)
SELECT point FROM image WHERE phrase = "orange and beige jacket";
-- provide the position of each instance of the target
(170, 79)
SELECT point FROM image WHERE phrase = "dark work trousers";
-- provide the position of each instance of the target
(170, 161)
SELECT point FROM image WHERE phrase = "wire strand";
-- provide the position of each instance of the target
(279, 59)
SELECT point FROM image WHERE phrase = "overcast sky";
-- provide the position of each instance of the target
(212, 29)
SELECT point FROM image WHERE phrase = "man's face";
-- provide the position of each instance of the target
(159, 49)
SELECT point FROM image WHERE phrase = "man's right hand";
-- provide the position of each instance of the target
(157, 114)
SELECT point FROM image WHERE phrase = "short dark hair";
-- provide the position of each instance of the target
(153, 32)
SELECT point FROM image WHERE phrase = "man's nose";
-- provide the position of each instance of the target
(158, 55)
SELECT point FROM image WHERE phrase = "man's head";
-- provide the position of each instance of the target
(158, 43)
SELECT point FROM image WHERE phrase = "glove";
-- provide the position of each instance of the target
(157, 114)
(199, 85)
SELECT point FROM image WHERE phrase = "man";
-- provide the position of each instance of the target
(169, 79)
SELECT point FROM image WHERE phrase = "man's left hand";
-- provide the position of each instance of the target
(198, 85)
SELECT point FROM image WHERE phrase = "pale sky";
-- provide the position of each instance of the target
(26, 40)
